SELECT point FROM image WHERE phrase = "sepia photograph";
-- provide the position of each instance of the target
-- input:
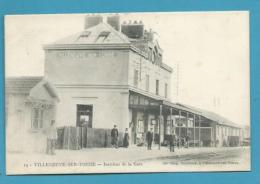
(127, 92)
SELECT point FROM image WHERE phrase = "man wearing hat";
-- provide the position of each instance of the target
(114, 137)
(149, 138)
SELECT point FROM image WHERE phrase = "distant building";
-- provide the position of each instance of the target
(110, 73)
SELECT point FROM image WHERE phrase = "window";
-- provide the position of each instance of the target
(153, 57)
(37, 118)
(190, 123)
(140, 128)
(85, 34)
(166, 90)
(156, 127)
(150, 54)
(169, 127)
(157, 87)
(104, 33)
(131, 99)
(84, 115)
(147, 80)
(160, 58)
(180, 122)
(136, 78)
(102, 36)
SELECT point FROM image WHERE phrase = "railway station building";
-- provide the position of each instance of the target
(110, 74)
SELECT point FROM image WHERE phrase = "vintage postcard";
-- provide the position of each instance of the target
(127, 92)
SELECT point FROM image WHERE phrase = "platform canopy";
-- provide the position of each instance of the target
(143, 100)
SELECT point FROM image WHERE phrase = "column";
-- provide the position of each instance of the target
(171, 125)
(133, 126)
(187, 122)
(211, 136)
(194, 130)
(179, 123)
(146, 121)
(55, 112)
(164, 126)
(160, 121)
(199, 130)
(187, 127)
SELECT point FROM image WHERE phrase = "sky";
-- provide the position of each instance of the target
(208, 51)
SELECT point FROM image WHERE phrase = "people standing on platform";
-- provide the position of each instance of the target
(52, 136)
(149, 138)
(114, 137)
(126, 139)
(172, 142)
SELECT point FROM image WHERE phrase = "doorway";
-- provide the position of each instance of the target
(84, 115)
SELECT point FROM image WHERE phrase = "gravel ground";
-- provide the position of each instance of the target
(139, 158)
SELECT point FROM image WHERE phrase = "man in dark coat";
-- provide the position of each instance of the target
(149, 138)
(114, 137)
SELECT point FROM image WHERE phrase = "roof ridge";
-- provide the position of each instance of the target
(102, 26)
(121, 35)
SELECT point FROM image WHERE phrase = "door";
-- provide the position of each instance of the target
(84, 115)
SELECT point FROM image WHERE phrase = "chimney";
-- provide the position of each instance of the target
(92, 20)
(149, 35)
(133, 30)
(114, 21)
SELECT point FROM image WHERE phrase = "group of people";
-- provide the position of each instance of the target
(173, 141)
(51, 134)
(115, 137)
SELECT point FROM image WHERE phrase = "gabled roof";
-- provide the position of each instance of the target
(102, 33)
(30, 86)
(102, 36)
(21, 84)
(43, 91)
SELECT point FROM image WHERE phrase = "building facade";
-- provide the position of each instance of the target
(96, 71)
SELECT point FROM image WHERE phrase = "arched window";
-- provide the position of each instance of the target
(154, 57)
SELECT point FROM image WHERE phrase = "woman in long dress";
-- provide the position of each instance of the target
(126, 139)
